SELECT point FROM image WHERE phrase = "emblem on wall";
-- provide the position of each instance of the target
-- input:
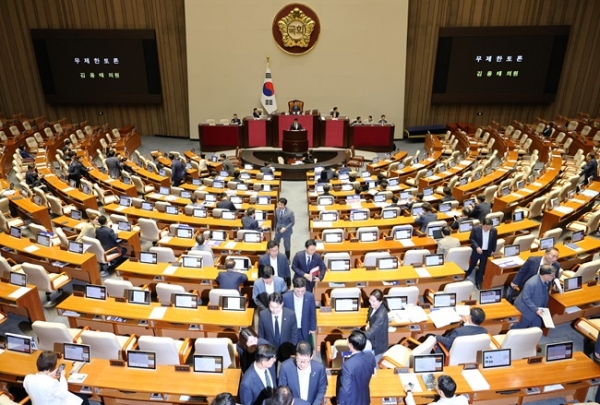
(296, 29)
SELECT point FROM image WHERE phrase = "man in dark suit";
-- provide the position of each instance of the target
(596, 357)
(426, 217)
(305, 377)
(227, 165)
(532, 266)
(235, 120)
(481, 209)
(591, 168)
(303, 304)
(296, 126)
(533, 297)
(483, 242)
(284, 221)
(267, 168)
(249, 220)
(267, 284)
(448, 194)
(472, 326)
(335, 113)
(259, 379)
(307, 260)
(256, 113)
(463, 218)
(108, 239)
(113, 164)
(177, 171)
(279, 327)
(230, 279)
(280, 264)
(225, 203)
(354, 378)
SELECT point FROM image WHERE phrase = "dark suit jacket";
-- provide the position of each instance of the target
(107, 237)
(590, 170)
(480, 211)
(309, 313)
(293, 127)
(252, 390)
(114, 166)
(299, 264)
(378, 329)
(529, 269)
(227, 165)
(317, 384)
(354, 378)
(249, 223)
(283, 266)
(231, 280)
(289, 329)
(458, 221)
(533, 296)
(476, 238)
(465, 330)
(226, 204)
(425, 219)
(177, 171)
(287, 221)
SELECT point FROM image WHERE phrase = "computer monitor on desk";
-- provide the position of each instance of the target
(491, 296)
(18, 279)
(494, 358)
(402, 234)
(141, 359)
(572, 284)
(148, 258)
(387, 263)
(204, 363)
(185, 232)
(185, 300)
(19, 343)
(15, 232)
(97, 292)
(233, 303)
(138, 297)
(76, 215)
(444, 300)
(193, 262)
(339, 264)
(396, 303)
(77, 353)
(559, 351)
(428, 363)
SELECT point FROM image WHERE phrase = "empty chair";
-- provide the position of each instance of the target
(163, 254)
(142, 188)
(465, 348)
(165, 291)
(587, 271)
(367, 230)
(521, 342)
(588, 223)
(460, 256)
(6, 222)
(149, 230)
(490, 193)
(524, 242)
(6, 266)
(107, 345)
(104, 258)
(50, 333)
(414, 181)
(219, 346)
(415, 257)
(214, 295)
(56, 207)
(37, 229)
(106, 197)
(118, 288)
(339, 232)
(411, 293)
(168, 350)
(400, 355)
(47, 283)
(589, 328)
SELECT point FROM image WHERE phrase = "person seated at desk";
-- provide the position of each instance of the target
(48, 387)
(417, 198)
(236, 120)
(296, 126)
(369, 120)
(89, 228)
(446, 389)
(230, 279)
(547, 132)
(200, 244)
(394, 202)
(533, 297)
(464, 217)
(323, 178)
(267, 168)
(265, 286)
(32, 177)
(296, 110)
(307, 157)
(471, 326)
(227, 165)
(426, 217)
(481, 209)
(259, 380)
(533, 264)
(202, 165)
(334, 113)
(382, 120)
(278, 261)
(447, 194)
(447, 242)
(249, 220)
(590, 169)
(326, 190)
(247, 344)
(343, 169)
(225, 203)
(236, 177)
(66, 147)
(24, 154)
(356, 121)
(194, 201)
(256, 113)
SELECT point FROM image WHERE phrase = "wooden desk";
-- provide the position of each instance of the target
(67, 193)
(577, 206)
(28, 209)
(504, 230)
(219, 137)
(574, 375)
(176, 322)
(117, 186)
(219, 191)
(130, 140)
(587, 300)
(79, 266)
(183, 244)
(395, 247)
(383, 164)
(410, 171)
(149, 177)
(496, 276)
(182, 202)
(439, 178)
(25, 304)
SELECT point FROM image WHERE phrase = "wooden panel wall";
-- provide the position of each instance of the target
(579, 89)
(20, 87)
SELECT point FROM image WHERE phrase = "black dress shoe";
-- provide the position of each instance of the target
(478, 285)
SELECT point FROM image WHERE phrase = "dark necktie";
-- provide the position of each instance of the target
(281, 214)
(276, 333)
(268, 381)
(308, 261)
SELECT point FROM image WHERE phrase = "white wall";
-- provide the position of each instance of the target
(357, 65)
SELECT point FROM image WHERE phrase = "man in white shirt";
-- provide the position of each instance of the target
(279, 262)
(259, 380)
(446, 389)
(305, 377)
(302, 303)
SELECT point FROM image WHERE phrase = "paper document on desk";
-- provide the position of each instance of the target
(109, 180)
(169, 270)
(526, 190)
(564, 210)
(430, 198)
(422, 272)
(443, 317)
(158, 313)
(434, 177)
(381, 204)
(476, 380)
(171, 198)
(16, 294)
(407, 242)
(165, 239)
(323, 224)
(230, 245)
(66, 190)
(553, 387)
(77, 378)
(406, 378)
(120, 208)
(589, 193)
(505, 262)
(70, 313)
(155, 195)
(577, 201)
(31, 248)
(399, 316)
(416, 313)
(320, 246)
(547, 318)
(463, 310)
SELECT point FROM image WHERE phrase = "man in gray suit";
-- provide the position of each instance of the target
(426, 217)
(227, 165)
(113, 165)
(284, 224)
(533, 297)
(447, 242)
(472, 326)
(265, 286)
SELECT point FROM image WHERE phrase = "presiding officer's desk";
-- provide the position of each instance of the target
(571, 305)
(498, 318)
(201, 280)
(123, 385)
(574, 375)
(23, 301)
(497, 275)
(82, 267)
(156, 319)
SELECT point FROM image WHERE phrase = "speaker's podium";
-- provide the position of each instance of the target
(295, 142)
